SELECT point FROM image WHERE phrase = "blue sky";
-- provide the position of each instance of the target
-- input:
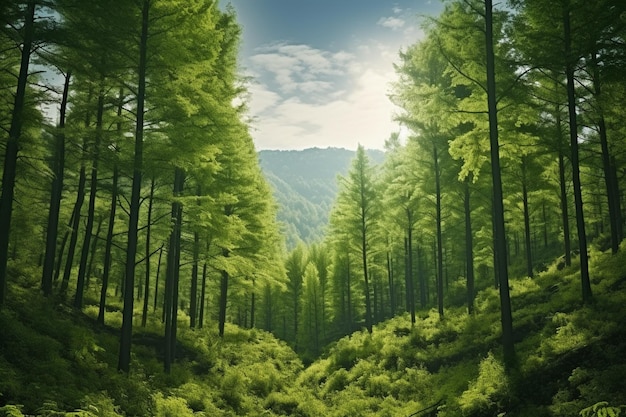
(320, 70)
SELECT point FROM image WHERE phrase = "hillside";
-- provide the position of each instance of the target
(57, 362)
(305, 185)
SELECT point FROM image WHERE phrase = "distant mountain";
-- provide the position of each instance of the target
(305, 186)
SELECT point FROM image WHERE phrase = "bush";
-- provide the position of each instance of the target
(171, 406)
(489, 393)
(281, 404)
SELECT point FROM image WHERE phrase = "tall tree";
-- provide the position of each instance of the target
(131, 249)
(357, 205)
(12, 146)
(58, 166)
(295, 266)
(499, 232)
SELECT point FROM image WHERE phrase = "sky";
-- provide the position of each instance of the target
(320, 70)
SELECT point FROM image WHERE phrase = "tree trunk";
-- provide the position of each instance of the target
(80, 198)
(612, 189)
(573, 124)
(131, 250)
(12, 148)
(56, 193)
(392, 291)
(146, 292)
(202, 296)
(368, 303)
(91, 205)
(252, 304)
(499, 235)
(107, 248)
(156, 283)
(564, 209)
(170, 304)
(193, 292)
(469, 250)
(223, 298)
(527, 240)
(92, 251)
(439, 256)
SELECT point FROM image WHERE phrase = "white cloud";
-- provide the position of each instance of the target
(261, 98)
(393, 23)
(362, 115)
(300, 68)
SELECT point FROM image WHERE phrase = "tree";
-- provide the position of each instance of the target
(58, 166)
(131, 249)
(499, 235)
(357, 214)
(12, 146)
(295, 266)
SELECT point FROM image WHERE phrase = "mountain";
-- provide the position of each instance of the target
(305, 185)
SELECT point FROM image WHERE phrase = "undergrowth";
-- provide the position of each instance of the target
(55, 361)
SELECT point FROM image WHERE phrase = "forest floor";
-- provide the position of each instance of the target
(56, 361)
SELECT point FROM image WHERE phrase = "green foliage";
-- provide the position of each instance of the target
(171, 406)
(490, 392)
(602, 409)
(11, 411)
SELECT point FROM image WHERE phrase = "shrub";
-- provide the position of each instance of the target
(489, 393)
(281, 404)
(10, 411)
(171, 406)
(337, 381)
(232, 388)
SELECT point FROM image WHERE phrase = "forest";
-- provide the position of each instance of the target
(477, 270)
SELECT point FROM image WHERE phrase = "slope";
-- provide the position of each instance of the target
(55, 361)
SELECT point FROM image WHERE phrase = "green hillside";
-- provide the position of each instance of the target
(57, 362)
(305, 186)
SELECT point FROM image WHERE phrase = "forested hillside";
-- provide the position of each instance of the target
(305, 186)
(476, 269)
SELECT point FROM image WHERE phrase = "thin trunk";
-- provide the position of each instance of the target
(59, 262)
(223, 298)
(156, 283)
(573, 124)
(268, 307)
(296, 310)
(439, 256)
(499, 236)
(170, 304)
(131, 250)
(410, 289)
(612, 190)
(392, 295)
(146, 292)
(193, 292)
(80, 198)
(12, 148)
(92, 251)
(56, 193)
(107, 248)
(91, 205)
(527, 239)
(421, 278)
(202, 296)
(469, 250)
(567, 247)
(252, 306)
(368, 303)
